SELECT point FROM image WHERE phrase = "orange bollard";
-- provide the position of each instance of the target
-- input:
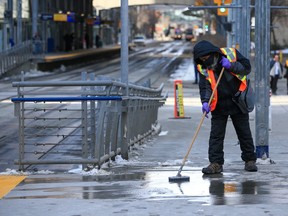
(178, 99)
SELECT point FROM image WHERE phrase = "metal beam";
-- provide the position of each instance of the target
(262, 60)
(124, 43)
(245, 27)
(11, 21)
(192, 7)
(34, 17)
(19, 21)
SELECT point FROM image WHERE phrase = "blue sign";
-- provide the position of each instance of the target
(97, 20)
(46, 17)
(71, 17)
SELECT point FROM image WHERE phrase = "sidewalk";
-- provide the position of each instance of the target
(140, 186)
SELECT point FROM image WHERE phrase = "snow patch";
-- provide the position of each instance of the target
(174, 163)
(120, 160)
(16, 172)
(264, 161)
(163, 133)
(35, 73)
(94, 171)
(156, 128)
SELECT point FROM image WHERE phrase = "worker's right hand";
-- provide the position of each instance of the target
(205, 108)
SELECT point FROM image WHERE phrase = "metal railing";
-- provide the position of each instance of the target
(18, 55)
(89, 123)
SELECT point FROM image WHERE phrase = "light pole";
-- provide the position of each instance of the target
(11, 23)
(19, 21)
(124, 43)
(34, 16)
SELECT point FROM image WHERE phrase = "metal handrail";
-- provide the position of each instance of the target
(105, 124)
(15, 56)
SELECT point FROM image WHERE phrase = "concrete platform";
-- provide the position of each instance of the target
(140, 186)
(52, 61)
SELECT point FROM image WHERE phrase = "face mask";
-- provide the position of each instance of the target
(209, 61)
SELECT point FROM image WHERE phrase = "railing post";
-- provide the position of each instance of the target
(21, 136)
(124, 130)
(84, 124)
(92, 120)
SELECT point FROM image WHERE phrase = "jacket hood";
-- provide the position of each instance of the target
(203, 48)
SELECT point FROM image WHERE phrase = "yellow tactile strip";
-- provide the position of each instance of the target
(7, 183)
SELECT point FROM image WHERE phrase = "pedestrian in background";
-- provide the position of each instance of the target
(98, 42)
(87, 40)
(210, 60)
(37, 43)
(286, 74)
(276, 72)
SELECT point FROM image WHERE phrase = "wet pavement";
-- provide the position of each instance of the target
(140, 186)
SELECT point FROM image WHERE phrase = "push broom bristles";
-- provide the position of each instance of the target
(178, 177)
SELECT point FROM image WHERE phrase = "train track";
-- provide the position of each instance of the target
(152, 64)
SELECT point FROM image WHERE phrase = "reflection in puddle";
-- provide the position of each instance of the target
(230, 193)
(220, 189)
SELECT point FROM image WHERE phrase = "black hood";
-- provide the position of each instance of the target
(203, 48)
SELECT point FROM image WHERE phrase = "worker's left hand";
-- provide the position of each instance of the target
(225, 63)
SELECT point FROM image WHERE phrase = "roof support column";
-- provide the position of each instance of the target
(124, 43)
(262, 60)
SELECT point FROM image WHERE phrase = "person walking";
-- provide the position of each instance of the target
(286, 74)
(276, 71)
(210, 60)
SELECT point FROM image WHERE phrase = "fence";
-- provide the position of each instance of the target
(18, 55)
(90, 122)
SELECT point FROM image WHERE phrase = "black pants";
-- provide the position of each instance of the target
(273, 83)
(287, 84)
(217, 135)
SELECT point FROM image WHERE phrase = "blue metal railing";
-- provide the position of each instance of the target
(60, 99)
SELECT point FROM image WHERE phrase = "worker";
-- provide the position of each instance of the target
(210, 60)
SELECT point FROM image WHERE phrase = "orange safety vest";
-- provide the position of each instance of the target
(209, 74)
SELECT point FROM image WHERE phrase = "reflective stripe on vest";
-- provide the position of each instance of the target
(231, 56)
(230, 53)
(209, 74)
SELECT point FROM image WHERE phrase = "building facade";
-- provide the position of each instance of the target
(52, 20)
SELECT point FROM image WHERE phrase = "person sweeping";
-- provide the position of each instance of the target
(210, 60)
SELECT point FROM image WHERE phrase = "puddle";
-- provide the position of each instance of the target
(222, 189)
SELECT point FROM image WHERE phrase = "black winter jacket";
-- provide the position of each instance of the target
(228, 85)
